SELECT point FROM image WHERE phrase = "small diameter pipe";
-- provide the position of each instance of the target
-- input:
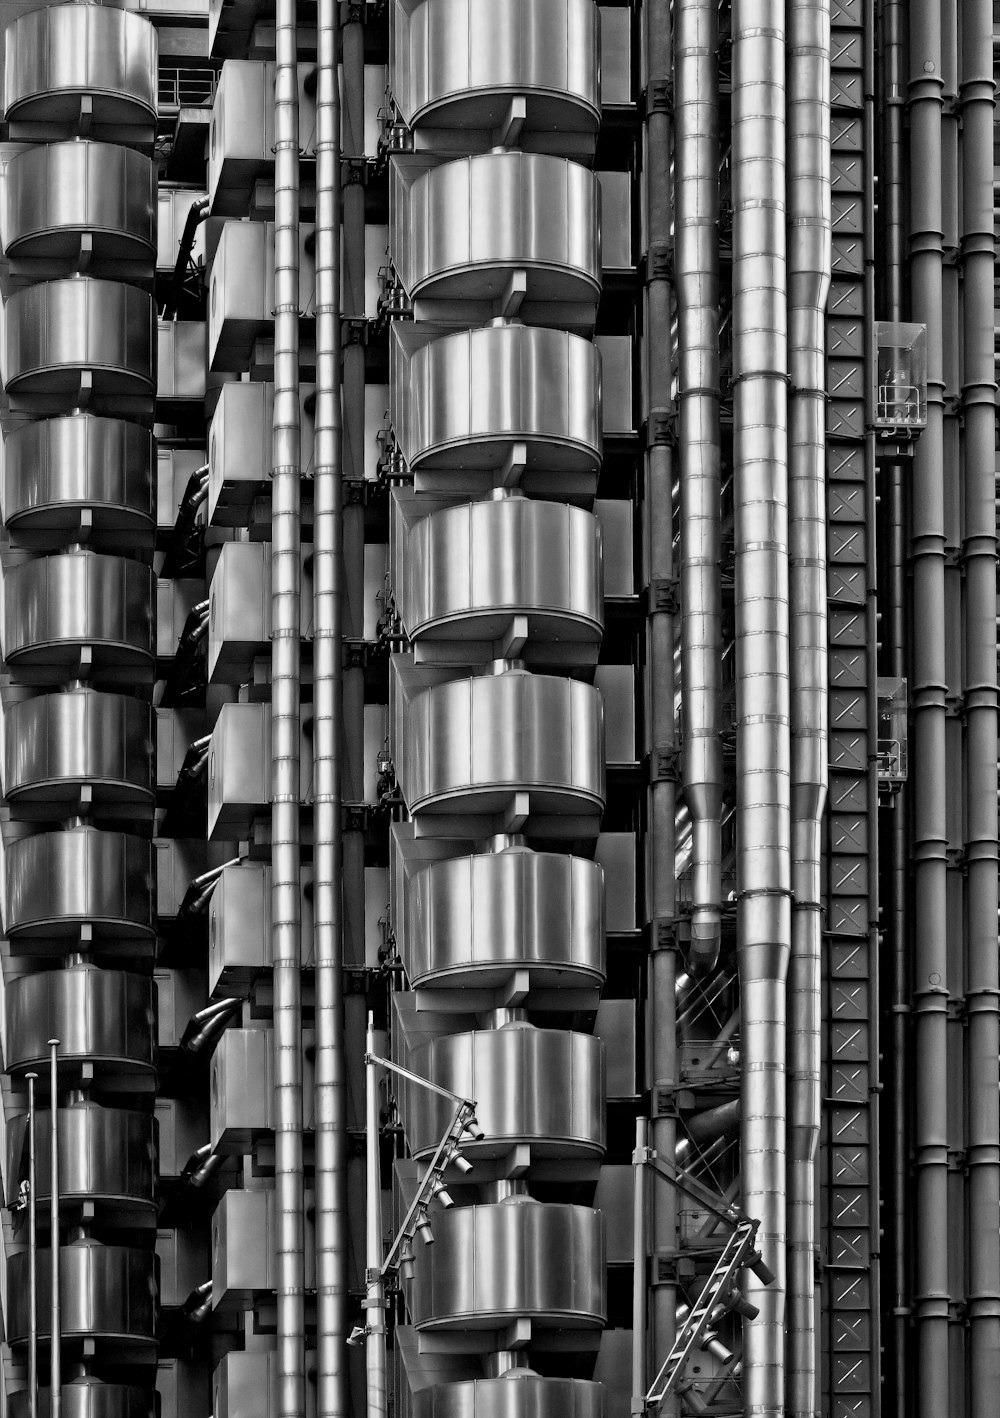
(32, 1257)
(809, 259)
(640, 1184)
(928, 690)
(696, 185)
(286, 633)
(55, 1381)
(375, 1302)
(333, 1397)
(763, 746)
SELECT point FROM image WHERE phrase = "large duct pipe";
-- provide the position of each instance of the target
(328, 932)
(928, 690)
(659, 473)
(979, 546)
(762, 645)
(286, 623)
(809, 255)
(696, 179)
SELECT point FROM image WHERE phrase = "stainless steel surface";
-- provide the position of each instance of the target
(330, 1084)
(56, 331)
(286, 732)
(105, 1154)
(458, 65)
(472, 921)
(57, 193)
(88, 1398)
(102, 1017)
(521, 1393)
(462, 401)
(376, 1376)
(763, 806)
(57, 469)
(60, 881)
(470, 743)
(465, 571)
(460, 232)
(809, 261)
(540, 1087)
(55, 607)
(13, 1171)
(55, 1243)
(108, 1293)
(56, 744)
(61, 53)
(490, 1265)
(696, 158)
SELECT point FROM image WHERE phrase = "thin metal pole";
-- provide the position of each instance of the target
(639, 1223)
(32, 1256)
(375, 1352)
(55, 1381)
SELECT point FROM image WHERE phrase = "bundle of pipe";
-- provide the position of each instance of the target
(809, 258)
(286, 633)
(762, 651)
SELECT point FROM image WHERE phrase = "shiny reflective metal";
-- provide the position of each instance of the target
(459, 64)
(471, 745)
(57, 332)
(518, 401)
(540, 1087)
(59, 881)
(490, 1265)
(503, 230)
(57, 607)
(57, 470)
(106, 1155)
(472, 921)
(57, 745)
(520, 1393)
(57, 56)
(56, 194)
(103, 1017)
(88, 1398)
(464, 574)
(108, 1293)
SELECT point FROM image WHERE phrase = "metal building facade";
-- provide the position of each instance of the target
(499, 710)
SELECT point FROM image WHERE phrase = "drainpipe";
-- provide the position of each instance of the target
(696, 263)
(661, 906)
(762, 647)
(930, 827)
(328, 932)
(980, 704)
(286, 622)
(809, 255)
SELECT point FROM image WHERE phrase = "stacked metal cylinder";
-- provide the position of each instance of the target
(79, 213)
(496, 733)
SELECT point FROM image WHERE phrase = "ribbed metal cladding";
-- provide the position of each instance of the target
(79, 368)
(496, 736)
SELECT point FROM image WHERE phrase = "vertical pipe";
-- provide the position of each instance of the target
(980, 703)
(328, 930)
(696, 262)
(762, 647)
(927, 555)
(660, 656)
(640, 1194)
(375, 1303)
(55, 1250)
(286, 622)
(809, 256)
(32, 1256)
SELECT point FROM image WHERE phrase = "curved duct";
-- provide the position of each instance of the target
(696, 161)
(760, 456)
(809, 259)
